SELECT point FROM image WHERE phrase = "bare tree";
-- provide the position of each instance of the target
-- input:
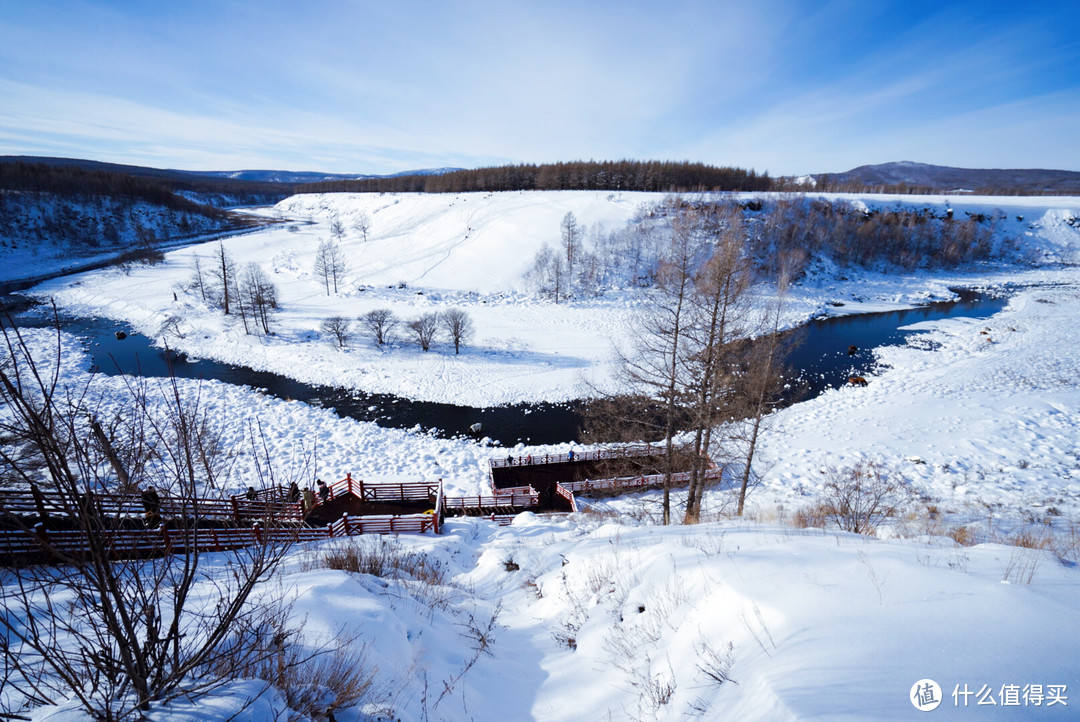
(459, 325)
(337, 228)
(198, 279)
(258, 296)
(109, 630)
(571, 243)
(720, 312)
(656, 368)
(330, 265)
(547, 275)
(362, 224)
(340, 328)
(761, 387)
(424, 328)
(381, 323)
(224, 271)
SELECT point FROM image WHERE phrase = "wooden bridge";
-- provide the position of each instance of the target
(38, 525)
(560, 477)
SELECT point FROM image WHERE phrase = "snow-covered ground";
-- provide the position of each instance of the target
(470, 251)
(822, 625)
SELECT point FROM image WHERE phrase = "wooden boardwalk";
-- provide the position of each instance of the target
(37, 525)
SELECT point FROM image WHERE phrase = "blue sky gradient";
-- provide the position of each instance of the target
(349, 86)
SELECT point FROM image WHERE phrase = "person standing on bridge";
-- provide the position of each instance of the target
(152, 504)
(294, 492)
(324, 490)
(309, 500)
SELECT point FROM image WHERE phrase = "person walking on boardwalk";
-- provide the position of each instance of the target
(309, 500)
(324, 490)
(152, 504)
(251, 494)
(294, 492)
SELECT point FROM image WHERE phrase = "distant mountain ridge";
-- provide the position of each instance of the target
(946, 178)
(284, 177)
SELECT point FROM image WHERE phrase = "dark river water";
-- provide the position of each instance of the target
(822, 361)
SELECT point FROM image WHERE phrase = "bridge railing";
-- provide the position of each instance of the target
(636, 450)
(525, 500)
(630, 482)
(567, 494)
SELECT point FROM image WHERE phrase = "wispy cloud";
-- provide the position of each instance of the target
(787, 85)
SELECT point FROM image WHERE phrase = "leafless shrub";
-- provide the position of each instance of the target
(714, 663)
(383, 557)
(655, 689)
(815, 516)
(1028, 539)
(861, 497)
(1067, 542)
(962, 535)
(113, 632)
(314, 682)
(1021, 566)
(480, 631)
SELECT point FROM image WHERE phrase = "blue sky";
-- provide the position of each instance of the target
(348, 86)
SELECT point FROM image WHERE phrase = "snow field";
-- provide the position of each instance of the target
(820, 625)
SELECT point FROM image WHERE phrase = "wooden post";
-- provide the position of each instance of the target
(236, 510)
(345, 524)
(257, 528)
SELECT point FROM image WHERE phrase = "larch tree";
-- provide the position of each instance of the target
(362, 225)
(571, 243)
(258, 296)
(330, 265)
(720, 312)
(656, 367)
(224, 271)
(112, 631)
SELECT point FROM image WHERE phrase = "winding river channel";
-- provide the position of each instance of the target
(821, 361)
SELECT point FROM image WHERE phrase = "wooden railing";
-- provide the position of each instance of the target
(412, 523)
(632, 482)
(602, 454)
(566, 494)
(269, 518)
(472, 502)
(417, 491)
(268, 505)
(20, 543)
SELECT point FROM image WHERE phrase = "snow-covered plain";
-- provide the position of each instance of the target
(822, 625)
